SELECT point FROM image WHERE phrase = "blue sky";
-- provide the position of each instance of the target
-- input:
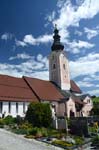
(26, 29)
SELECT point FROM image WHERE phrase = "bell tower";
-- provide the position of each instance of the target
(58, 63)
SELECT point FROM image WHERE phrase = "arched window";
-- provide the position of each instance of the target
(54, 66)
(72, 113)
(64, 66)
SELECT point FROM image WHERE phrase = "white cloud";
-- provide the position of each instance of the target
(41, 75)
(94, 92)
(88, 9)
(39, 57)
(97, 85)
(20, 43)
(6, 36)
(91, 32)
(21, 56)
(81, 44)
(60, 3)
(29, 39)
(85, 84)
(43, 60)
(74, 50)
(87, 65)
(87, 79)
(79, 2)
(78, 33)
(90, 57)
(31, 66)
(95, 77)
(75, 46)
(51, 16)
(44, 39)
(70, 15)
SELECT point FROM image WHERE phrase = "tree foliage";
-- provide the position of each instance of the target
(96, 105)
(96, 100)
(39, 114)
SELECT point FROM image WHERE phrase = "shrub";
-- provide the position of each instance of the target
(37, 132)
(62, 143)
(39, 114)
(44, 132)
(26, 126)
(55, 133)
(29, 136)
(19, 120)
(95, 140)
(79, 140)
(33, 131)
(19, 131)
(1, 123)
(9, 120)
(92, 129)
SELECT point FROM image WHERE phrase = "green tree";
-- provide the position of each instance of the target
(39, 114)
(95, 105)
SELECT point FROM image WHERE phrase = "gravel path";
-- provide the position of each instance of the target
(11, 141)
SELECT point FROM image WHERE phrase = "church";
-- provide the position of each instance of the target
(63, 94)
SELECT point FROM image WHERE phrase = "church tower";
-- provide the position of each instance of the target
(58, 63)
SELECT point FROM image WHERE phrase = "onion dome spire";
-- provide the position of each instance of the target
(57, 45)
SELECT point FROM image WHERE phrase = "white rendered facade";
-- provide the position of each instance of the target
(13, 108)
(59, 69)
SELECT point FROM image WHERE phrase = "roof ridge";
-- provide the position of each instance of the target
(58, 88)
(24, 78)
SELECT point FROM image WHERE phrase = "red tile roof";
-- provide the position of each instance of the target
(30, 89)
(74, 87)
(45, 90)
(15, 89)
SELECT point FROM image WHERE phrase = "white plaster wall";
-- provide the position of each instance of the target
(64, 74)
(71, 107)
(13, 109)
(59, 75)
(20, 108)
(87, 107)
(5, 108)
(61, 110)
(26, 106)
(53, 73)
